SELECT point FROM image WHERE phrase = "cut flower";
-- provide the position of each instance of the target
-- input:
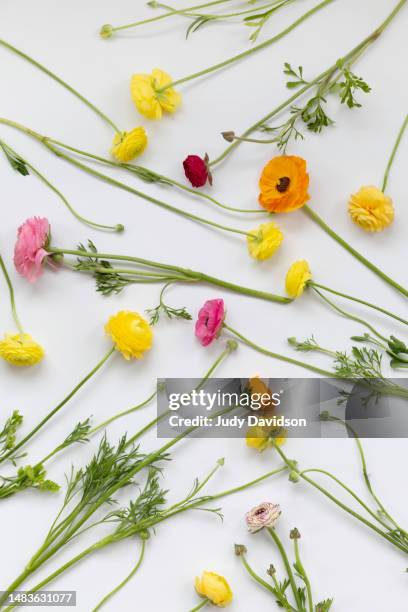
(209, 322)
(371, 209)
(128, 145)
(197, 170)
(284, 184)
(264, 515)
(150, 97)
(215, 588)
(297, 277)
(21, 350)
(30, 248)
(264, 241)
(130, 333)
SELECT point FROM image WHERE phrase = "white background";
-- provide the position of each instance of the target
(64, 312)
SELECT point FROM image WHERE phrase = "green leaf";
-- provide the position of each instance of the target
(15, 161)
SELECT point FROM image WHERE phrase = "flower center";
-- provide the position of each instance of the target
(259, 512)
(283, 184)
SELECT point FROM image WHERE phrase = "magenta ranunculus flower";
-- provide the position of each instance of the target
(197, 170)
(264, 515)
(29, 251)
(209, 321)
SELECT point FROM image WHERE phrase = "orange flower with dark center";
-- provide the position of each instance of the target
(284, 184)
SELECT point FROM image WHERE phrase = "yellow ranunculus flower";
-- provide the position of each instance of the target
(215, 588)
(21, 350)
(128, 145)
(298, 275)
(371, 209)
(264, 241)
(131, 334)
(149, 100)
(257, 438)
(260, 437)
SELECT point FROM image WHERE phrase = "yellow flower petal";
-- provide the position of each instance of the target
(264, 241)
(215, 588)
(128, 145)
(297, 277)
(371, 209)
(21, 350)
(149, 100)
(130, 333)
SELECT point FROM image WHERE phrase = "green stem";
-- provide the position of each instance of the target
(41, 424)
(349, 491)
(168, 14)
(255, 49)
(124, 413)
(286, 563)
(200, 605)
(189, 275)
(394, 152)
(116, 228)
(139, 171)
(348, 315)
(254, 575)
(291, 466)
(125, 581)
(356, 51)
(312, 283)
(202, 382)
(141, 194)
(12, 299)
(61, 82)
(304, 575)
(264, 351)
(317, 219)
(366, 477)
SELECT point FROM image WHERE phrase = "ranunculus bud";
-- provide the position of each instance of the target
(197, 170)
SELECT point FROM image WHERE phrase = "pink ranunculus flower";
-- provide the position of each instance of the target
(29, 251)
(264, 515)
(209, 321)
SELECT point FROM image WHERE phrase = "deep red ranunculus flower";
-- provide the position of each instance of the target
(197, 171)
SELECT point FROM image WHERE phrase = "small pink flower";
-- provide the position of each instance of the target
(264, 515)
(209, 321)
(29, 251)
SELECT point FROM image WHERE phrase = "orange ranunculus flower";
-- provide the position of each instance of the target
(284, 184)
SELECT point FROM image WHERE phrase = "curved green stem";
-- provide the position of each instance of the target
(171, 13)
(355, 52)
(141, 194)
(349, 491)
(317, 219)
(348, 315)
(116, 228)
(125, 581)
(122, 414)
(255, 576)
(366, 477)
(394, 152)
(312, 283)
(41, 424)
(186, 274)
(304, 575)
(12, 298)
(287, 565)
(61, 82)
(264, 351)
(244, 54)
(291, 466)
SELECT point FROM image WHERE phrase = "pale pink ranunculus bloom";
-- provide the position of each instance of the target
(29, 251)
(264, 515)
(209, 321)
